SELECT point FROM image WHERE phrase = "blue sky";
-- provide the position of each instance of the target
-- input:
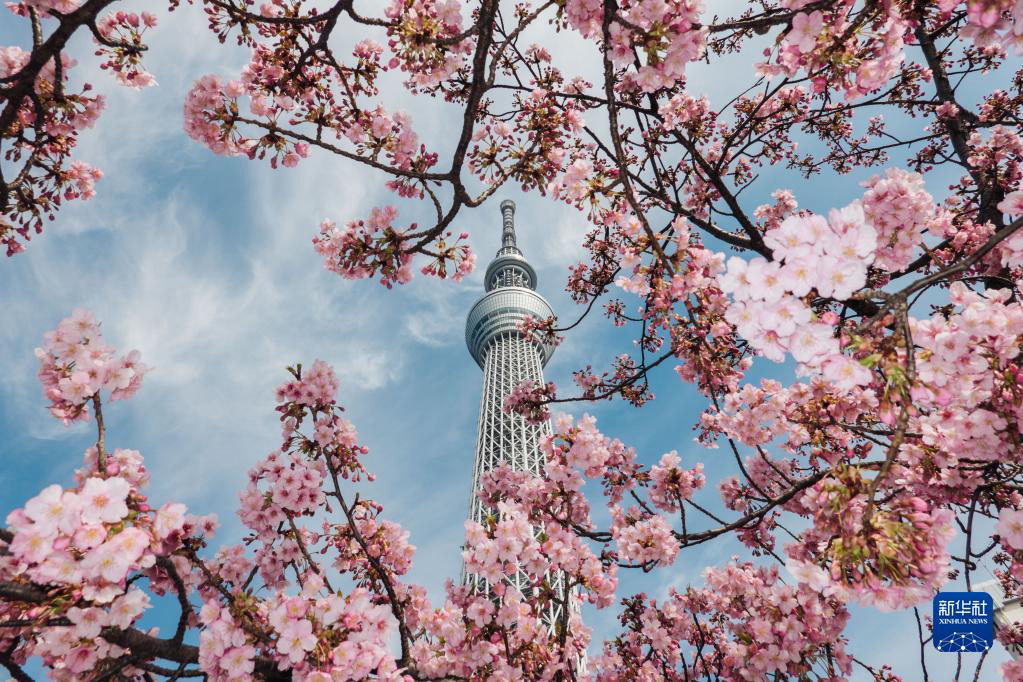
(205, 265)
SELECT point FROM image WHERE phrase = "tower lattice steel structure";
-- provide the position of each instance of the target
(507, 358)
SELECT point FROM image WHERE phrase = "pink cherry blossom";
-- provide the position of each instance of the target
(805, 29)
(103, 501)
(1010, 528)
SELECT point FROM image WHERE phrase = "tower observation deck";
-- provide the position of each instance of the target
(507, 358)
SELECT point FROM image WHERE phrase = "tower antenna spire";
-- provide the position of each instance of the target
(508, 224)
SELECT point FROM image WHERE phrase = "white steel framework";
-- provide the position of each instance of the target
(503, 438)
(507, 359)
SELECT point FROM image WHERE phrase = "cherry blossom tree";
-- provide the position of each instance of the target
(888, 466)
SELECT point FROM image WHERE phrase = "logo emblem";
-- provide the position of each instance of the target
(963, 621)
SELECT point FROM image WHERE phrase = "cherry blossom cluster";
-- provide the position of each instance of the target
(757, 625)
(75, 364)
(122, 46)
(329, 109)
(1009, 534)
(423, 39)
(709, 353)
(997, 154)
(842, 46)
(512, 543)
(531, 570)
(224, 649)
(540, 331)
(319, 634)
(990, 23)
(830, 256)
(378, 131)
(207, 94)
(317, 386)
(784, 416)
(554, 500)
(577, 184)
(42, 116)
(642, 537)
(891, 559)
(964, 411)
(672, 35)
(84, 542)
(293, 485)
(49, 146)
(528, 399)
(78, 651)
(58, 527)
(302, 625)
(1012, 671)
(386, 541)
(967, 395)
(365, 248)
(44, 6)
(670, 484)
(335, 438)
(751, 415)
(899, 208)
(459, 254)
(88, 544)
(364, 627)
(541, 141)
(469, 635)
(910, 534)
(669, 31)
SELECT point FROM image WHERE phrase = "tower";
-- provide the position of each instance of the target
(507, 358)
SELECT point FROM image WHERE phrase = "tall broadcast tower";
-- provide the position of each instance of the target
(507, 359)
